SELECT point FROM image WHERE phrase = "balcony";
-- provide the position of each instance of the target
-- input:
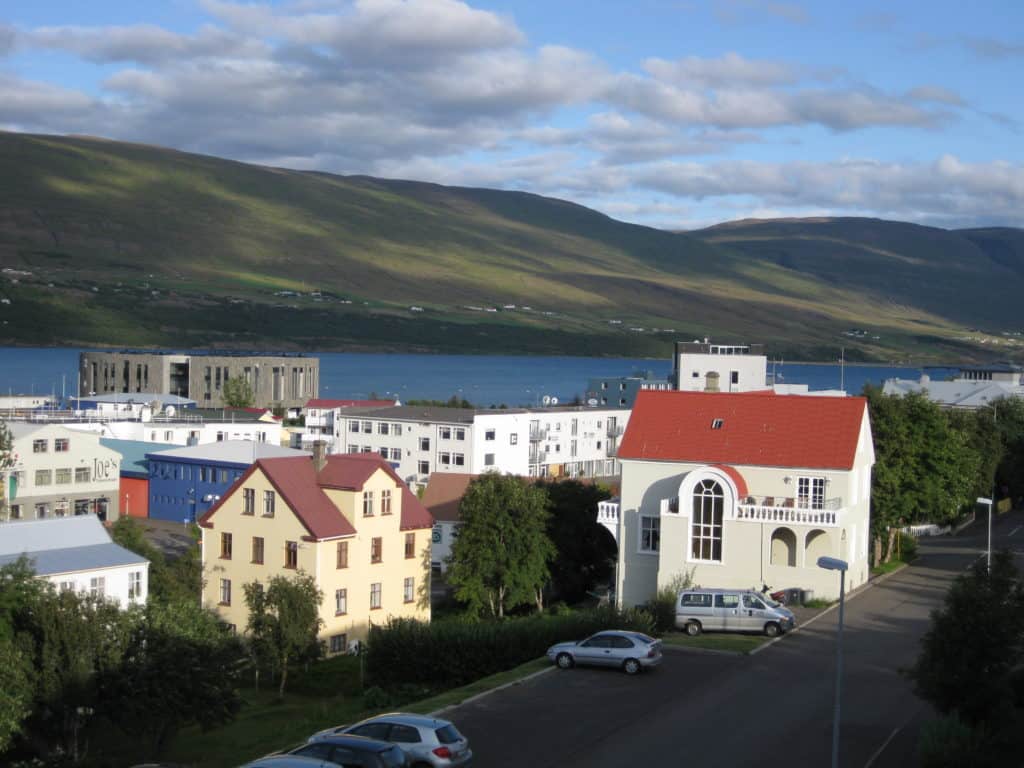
(771, 509)
(538, 433)
(611, 450)
(608, 512)
(537, 454)
(615, 430)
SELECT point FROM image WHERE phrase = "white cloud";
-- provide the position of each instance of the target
(730, 69)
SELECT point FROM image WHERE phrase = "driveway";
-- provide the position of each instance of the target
(723, 710)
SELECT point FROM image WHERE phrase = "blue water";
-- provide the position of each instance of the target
(483, 380)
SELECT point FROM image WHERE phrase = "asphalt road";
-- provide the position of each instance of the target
(773, 708)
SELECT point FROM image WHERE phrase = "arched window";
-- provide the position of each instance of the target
(706, 530)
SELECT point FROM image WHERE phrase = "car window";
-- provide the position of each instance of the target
(404, 734)
(447, 734)
(346, 758)
(696, 601)
(373, 730)
(727, 601)
(596, 642)
(319, 750)
(749, 601)
(618, 641)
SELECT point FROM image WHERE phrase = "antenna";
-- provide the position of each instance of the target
(842, 368)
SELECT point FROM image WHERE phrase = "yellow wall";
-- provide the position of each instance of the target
(320, 558)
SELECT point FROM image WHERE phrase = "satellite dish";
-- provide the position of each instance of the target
(554, 401)
(592, 401)
(169, 410)
(546, 400)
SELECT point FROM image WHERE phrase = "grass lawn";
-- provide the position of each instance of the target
(458, 695)
(892, 565)
(732, 642)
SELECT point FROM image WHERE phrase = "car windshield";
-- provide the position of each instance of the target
(447, 734)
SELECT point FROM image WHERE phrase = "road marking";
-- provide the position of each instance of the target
(1014, 530)
(871, 760)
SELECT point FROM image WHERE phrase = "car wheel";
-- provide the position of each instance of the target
(693, 628)
(631, 666)
(772, 629)
(564, 661)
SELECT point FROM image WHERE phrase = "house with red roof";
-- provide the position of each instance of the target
(347, 520)
(742, 489)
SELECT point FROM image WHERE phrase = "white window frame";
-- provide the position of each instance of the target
(649, 538)
(810, 492)
(705, 524)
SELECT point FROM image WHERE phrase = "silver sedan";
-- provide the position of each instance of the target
(627, 650)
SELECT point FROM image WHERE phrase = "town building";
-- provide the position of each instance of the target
(11, 404)
(348, 521)
(564, 441)
(185, 482)
(58, 472)
(131, 406)
(76, 554)
(621, 391)
(320, 414)
(699, 365)
(976, 386)
(193, 427)
(442, 497)
(741, 490)
(133, 489)
(277, 380)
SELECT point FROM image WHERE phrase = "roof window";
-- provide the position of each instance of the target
(717, 423)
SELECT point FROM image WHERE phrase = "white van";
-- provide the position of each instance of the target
(731, 610)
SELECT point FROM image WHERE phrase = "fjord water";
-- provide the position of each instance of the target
(482, 379)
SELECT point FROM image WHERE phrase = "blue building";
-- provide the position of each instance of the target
(185, 482)
(620, 391)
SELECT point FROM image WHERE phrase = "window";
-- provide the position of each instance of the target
(513, 439)
(727, 601)
(488, 459)
(734, 377)
(385, 501)
(43, 477)
(67, 586)
(424, 467)
(375, 595)
(383, 428)
(367, 503)
(460, 434)
(446, 433)
(42, 511)
(268, 503)
(444, 458)
(225, 546)
(695, 601)
(650, 534)
(706, 528)
(376, 545)
(405, 734)
(223, 475)
(340, 602)
(751, 601)
(353, 426)
(384, 452)
(61, 445)
(291, 554)
(15, 511)
(424, 443)
(489, 434)
(367, 427)
(257, 550)
(396, 454)
(410, 546)
(168, 436)
(98, 586)
(339, 643)
(40, 446)
(810, 492)
(717, 423)
(459, 459)
(221, 436)
(225, 591)
(408, 589)
(341, 559)
(396, 429)
(696, 374)
(63, 476)
(248, 501)
(134, 585)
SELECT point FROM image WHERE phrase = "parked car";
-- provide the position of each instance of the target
(288, 761)
(426, 741)
(344, 750)
(731, 610)
(630, 651)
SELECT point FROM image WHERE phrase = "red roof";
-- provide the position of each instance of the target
(755, 429)
(299, 485)
(444, 493)
(324, 403)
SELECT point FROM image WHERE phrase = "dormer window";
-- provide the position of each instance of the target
(717, 423)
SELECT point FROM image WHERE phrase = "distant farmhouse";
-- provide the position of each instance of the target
(288, 381)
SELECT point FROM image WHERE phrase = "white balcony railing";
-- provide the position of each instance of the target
(608, 512)
(770, 509)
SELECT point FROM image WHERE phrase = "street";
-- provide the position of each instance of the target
(701, 709)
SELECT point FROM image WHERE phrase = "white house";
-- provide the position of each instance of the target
(740, 490)
(75, 553)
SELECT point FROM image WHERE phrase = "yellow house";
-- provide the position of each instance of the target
(348, 520)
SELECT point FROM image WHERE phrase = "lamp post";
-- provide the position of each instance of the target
(835, 564)
(988, 556)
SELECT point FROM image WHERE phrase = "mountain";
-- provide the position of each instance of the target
(108, 243)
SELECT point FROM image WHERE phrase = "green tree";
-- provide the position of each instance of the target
(237, 393)
(171, 580)
(7, 460)
(15, 691)
(1008, 418)
(500, 557)
(925, 470)
(284, 619)
(585, 550)
(974, 643)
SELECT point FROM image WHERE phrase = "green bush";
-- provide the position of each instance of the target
(663, 607)
(951, 743)
(907, 547)
(449, 653)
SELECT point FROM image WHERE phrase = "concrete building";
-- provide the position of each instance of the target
(740, 490)
(58, 472)
(133, 490)
(348, 521)
(282, 380)
(700, 365)
(195, 427)
(974, 387)
(185, 482)
(76, 554)
(621, 391)
(417, 441)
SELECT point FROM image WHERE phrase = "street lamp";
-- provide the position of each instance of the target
(988, 557)
(835, 564)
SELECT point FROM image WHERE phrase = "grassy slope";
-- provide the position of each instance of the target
(217, 238)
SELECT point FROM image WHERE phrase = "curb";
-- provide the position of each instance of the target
(489, 691)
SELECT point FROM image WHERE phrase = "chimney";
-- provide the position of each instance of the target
(711, 382)
(319, 455)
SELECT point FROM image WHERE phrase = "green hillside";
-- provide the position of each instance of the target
(107, 243)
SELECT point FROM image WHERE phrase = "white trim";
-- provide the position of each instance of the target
(640, 535)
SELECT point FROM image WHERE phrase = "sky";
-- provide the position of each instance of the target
(671, 113)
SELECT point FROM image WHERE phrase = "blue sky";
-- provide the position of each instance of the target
(673, 113)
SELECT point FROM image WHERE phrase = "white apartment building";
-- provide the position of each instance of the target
(701, 365)
(566, 441)
(184, 430)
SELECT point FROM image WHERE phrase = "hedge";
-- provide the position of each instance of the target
(449, 653)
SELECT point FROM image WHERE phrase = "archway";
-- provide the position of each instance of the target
(818, 543)
(783, 551)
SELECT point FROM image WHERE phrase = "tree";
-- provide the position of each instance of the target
(586, 551)
(500, 557)
(238, 393)
(8, 458)
(179, 579)
(974, 643)
(284, 619)
(1008, 419)
(15, 691)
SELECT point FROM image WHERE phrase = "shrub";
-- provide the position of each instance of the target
(907, 547)
(951, 743)
(663, 607)
(450, 653)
